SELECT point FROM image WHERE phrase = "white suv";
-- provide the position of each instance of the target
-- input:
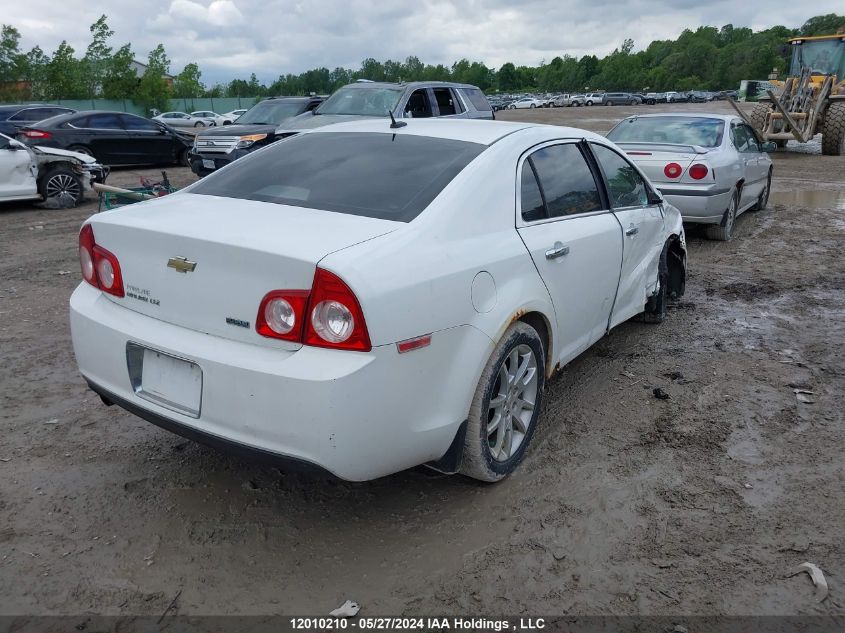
(594, 98)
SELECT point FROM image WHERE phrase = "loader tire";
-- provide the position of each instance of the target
(758, 116)
(833, 131)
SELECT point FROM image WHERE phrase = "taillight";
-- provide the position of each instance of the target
(36, 134)
(698, 171)
(100, 267)
(673, 170)
(282, 314)
(328, 315)
(335, 317)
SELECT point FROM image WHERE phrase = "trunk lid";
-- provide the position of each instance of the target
(652, 158)
(242, 249)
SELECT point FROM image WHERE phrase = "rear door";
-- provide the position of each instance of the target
(16, 171)
(754, 171)
(146, 141)
(106, 137)
(642, 228)
(448, 104)
(574, 241)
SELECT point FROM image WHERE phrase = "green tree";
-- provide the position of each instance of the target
(824, 25)
(120, 80)
(187, 83)
(11, 62)
(153, 89)
(64, 75)
(35, 73)
(96, 60)
(506, 77)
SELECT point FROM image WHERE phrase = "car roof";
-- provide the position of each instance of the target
(411, 84)
(23, 106)
(468, 130)
(688, 115)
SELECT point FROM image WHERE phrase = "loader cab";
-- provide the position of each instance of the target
(823, 55)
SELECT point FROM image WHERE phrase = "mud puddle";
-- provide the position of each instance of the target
(814, 199)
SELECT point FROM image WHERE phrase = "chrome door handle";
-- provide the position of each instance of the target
(559, 250)
(632, 231)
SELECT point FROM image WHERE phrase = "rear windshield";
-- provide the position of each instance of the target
(678, 130)
(271, 112)
(386, 176)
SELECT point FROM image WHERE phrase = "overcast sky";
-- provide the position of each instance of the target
(232, 38)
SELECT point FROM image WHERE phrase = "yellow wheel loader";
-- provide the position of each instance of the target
(812, 99)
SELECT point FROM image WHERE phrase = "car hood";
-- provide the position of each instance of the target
(310, 121)
(55, 151)
(239, 130)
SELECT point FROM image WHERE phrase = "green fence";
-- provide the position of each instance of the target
(220, 105)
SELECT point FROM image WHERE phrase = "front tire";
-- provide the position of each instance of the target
(506, 405)
(199, 124)
(63, 184)
(723, 231)
(763, 200)
(833, 131)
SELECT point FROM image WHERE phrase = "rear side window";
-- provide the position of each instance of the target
(625, 186)
(386, 176)
(104, 122)
(131, 122)
(532, 200)
(566, 181)
(477, 99)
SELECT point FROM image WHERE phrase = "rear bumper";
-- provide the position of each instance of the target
(357, 415)
(702, 204)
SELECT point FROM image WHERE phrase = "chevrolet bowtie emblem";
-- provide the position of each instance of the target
(181, 265)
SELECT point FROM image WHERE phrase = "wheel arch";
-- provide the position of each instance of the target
(676, 263)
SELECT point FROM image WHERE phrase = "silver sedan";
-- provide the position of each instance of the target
(710, 166)
(183, 119)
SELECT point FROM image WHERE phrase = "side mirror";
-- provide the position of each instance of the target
(768, 146)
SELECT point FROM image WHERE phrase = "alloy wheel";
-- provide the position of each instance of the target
(512, 404)
(63, 187)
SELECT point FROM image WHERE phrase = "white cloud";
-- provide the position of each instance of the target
(232, 38)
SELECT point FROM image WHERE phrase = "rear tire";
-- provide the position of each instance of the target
(82, 149)
(833, 131)
(506, 405)
(723, 231)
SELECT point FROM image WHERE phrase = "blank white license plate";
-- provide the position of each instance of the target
(208, 163)
(171, 382)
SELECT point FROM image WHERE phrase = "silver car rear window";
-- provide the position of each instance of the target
(678, 130)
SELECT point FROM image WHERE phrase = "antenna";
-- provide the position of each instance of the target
(394, 124)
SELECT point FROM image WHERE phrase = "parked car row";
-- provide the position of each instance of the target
(500, 102)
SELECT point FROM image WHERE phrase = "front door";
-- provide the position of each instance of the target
(642, 230)
(147, 142)
(574, 240)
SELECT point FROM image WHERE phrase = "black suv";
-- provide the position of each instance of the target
(13, 117)
(217, 147)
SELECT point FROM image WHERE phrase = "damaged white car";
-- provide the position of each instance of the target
(40, 173)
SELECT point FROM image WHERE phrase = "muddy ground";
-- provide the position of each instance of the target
(625, 504)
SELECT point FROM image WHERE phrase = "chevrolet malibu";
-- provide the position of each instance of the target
(369, 296)
(711, 166)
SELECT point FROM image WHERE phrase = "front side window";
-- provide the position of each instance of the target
(566, 180)
(447, 102)
(377, 175)
(131, 122)
(419, 106)
(625, 186)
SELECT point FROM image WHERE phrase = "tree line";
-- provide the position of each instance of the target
(707, 58)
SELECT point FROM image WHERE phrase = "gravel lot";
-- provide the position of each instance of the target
(626, 504)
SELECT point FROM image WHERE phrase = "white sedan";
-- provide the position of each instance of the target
(710, 166)
(39, 173)
(369, 296)
(183, 119)
(522, 104)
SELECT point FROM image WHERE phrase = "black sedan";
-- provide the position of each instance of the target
(113, 138)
